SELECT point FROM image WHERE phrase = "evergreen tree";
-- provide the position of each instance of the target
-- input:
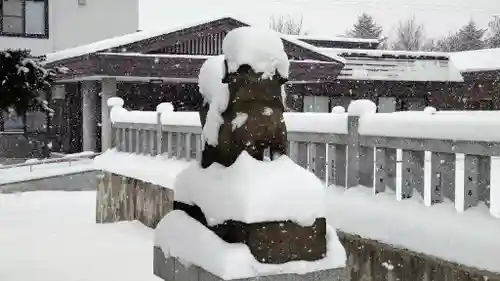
(365, 28)
(470, 37)
(22, 80)
(493, 40)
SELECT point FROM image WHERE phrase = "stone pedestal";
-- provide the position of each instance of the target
(275, 242)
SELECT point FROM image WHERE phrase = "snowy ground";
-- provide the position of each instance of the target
(52, 236)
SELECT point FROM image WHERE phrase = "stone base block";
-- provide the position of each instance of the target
(121, 198)
(277, 242)
(274, 242)
(172, 270)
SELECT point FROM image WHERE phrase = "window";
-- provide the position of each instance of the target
(386, 104)
(316, 104)
(24, 18)
(11, 121)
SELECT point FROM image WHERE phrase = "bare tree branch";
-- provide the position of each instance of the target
(410, 36)
(287, 25)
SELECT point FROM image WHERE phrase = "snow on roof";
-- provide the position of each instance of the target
(126, 54)
(337, 39)
(396, 69)
(108, 44)
(380, 53)
(478, 60)
(293, 39)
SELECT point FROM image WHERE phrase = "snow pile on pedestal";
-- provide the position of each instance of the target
(115, 101)
(216, 94)
(361, 107)
(165, 107)
(430, 110)
(253, 191)
(338, 109)
(182, 237)
(262, 49)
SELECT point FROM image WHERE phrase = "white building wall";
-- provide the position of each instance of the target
(37, 46)
(71, 24)
(76, 25)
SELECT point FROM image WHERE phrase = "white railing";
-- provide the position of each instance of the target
(440, 156)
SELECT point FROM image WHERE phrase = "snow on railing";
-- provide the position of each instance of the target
(440, 156)
(69, 158)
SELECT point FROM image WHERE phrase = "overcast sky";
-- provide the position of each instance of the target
(323, 17)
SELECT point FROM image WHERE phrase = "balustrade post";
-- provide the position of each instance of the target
(107, 125)
(164, 107)
(353, 149)
(159, 134)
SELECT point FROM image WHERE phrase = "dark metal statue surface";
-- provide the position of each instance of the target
(253, 120)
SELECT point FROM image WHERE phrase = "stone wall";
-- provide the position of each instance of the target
(121, 198)
(171, 269)
(81, 181)
(369, 260)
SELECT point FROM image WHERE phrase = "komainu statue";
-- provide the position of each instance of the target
(253, 120)
(243, 116)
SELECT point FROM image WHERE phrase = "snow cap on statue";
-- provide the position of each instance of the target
(261, 49)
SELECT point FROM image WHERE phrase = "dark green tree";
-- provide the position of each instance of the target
(366, 28)
(470, 37)
(22, 80)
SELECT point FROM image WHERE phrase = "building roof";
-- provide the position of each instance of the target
(340, 42)
(477, 61)
(114, 42)
(122, 41)
(360, 64)
(337, 38)
(396, 65)
(171, 67)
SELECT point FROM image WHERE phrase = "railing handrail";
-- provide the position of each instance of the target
(51, 161)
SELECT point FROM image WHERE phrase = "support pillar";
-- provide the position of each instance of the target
(59, 129)
(89, 123)
(108, 90)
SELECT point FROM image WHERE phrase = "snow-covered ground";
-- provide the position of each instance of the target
(52, 236)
